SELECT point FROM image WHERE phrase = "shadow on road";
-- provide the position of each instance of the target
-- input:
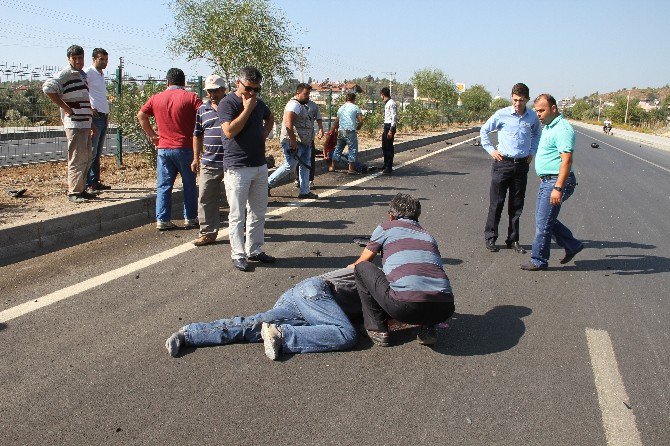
(297, 224)
(2, 326)
(624, 264)
(311, 260)
(598, 244)
(498, 330)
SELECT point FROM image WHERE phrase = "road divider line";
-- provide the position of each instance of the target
(93, 282)
(623, 151)
(618, 417)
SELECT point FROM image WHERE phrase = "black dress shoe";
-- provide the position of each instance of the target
(530, 266)
(570, 255)
(491, 246)
(241, 264)
(262, 257)
(516, 247)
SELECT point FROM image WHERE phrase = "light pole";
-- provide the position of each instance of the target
(302, 62)
(625, 120)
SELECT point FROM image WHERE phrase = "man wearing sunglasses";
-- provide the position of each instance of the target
(246, 123)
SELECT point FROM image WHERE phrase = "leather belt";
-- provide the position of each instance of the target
(509, 159)
(548, 177)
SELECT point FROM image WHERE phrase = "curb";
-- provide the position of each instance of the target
(24, 241)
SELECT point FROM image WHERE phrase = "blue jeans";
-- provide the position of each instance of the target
(547, 224)
(100, 123)
(169, 163)
(307, 316)
(289, 164)
(348, 138)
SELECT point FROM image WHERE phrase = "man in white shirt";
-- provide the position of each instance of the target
(390, 124)
(97, 90)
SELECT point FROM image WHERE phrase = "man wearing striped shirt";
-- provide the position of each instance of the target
(412, 287)
(207, 133)
(69, 91)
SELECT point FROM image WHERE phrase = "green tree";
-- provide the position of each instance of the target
(579, 110)
(434, 84)
(499, 103)
(476, 102)
(618, 111)
(239, 33)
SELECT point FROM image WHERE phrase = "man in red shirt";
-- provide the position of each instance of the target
(174, 111)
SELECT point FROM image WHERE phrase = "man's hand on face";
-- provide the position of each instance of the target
(249, 102)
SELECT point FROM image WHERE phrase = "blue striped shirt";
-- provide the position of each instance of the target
(518, 135)
(411, 262)
(207, 123)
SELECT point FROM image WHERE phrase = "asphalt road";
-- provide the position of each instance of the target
(576, 355)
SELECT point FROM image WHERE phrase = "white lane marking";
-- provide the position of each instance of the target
(623, 151)
(57, 296)
(618, 419)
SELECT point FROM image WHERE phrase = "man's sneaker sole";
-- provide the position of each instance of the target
(271, 342)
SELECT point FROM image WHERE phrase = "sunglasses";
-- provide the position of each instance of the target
(247, 88)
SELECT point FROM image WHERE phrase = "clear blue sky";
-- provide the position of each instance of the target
(565, 47)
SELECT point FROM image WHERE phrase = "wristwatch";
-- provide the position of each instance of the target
(558, 188)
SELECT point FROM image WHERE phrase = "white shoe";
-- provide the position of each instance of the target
(271, 340)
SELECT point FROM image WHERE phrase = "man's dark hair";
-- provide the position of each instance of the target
(175, 76)
(97, 52)
(251, 74)
(350, 97)
(405, 206)
(302, 86)
(550, 99)
(75, 50)
(521, 90)
(386, 92)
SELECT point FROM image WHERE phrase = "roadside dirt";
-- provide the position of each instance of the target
(46, 186)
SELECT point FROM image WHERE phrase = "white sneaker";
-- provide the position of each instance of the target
(271, 340)
(296, 183)
(192, 223)
(165, 225)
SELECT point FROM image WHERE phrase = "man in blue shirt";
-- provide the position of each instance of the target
(349, 120)
(554, 167)
(518, 135)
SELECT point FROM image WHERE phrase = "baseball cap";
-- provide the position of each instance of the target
(214, 81)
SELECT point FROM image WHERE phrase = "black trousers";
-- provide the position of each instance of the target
(387, 147)
(311, 167)
(378, 305)
(506, 176)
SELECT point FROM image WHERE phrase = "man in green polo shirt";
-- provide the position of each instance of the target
(553, 164)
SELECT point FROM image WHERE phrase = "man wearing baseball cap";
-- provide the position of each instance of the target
(207, 133)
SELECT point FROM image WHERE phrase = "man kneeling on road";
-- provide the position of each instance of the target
(413, 287)
(313, 316)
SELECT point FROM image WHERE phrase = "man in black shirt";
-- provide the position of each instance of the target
(246, 123)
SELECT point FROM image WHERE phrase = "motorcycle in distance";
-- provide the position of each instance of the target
(607, 128)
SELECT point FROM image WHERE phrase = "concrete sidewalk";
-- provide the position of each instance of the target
(660, 142)
(37, 238)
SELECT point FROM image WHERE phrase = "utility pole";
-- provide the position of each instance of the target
(627, 103)
(119, 135)
(303, 61)
(391, 75)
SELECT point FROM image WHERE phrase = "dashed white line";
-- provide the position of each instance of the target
(618, 417)
(73, 290)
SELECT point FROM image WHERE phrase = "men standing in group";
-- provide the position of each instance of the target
(518, 135)
(315, 116)
(553, 165)
(348, 121)
(174, 110)
(97, 92)
(390, 124)
(69, 91)
(297, 138)
(246, 122)
(208, 133)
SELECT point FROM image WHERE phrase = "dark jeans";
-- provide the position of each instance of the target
(506, 176)
(379, 305)
(100, 123)
(312, 165)
(387, 147)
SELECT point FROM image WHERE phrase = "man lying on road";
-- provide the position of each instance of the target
(312, 316)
